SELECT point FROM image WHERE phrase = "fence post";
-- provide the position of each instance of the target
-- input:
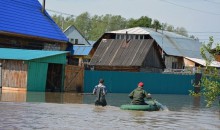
(197, 82)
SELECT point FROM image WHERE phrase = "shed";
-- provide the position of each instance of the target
(132, 55)
(32, 70)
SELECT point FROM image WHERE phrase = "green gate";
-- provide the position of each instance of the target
(37, 75)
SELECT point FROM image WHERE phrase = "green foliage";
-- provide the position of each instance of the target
(143, 21)
(93, 27)
(210, 81)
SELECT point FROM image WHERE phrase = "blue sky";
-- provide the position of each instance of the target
(200, 17)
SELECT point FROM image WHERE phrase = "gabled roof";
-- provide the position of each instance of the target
(25, 17)
(117, 52)
(203, 62)
(22, 54)
(172, 43)
(74, 27)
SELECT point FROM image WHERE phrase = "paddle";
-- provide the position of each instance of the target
(162, 107)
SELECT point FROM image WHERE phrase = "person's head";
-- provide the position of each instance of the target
(140, 84)
(101, 81)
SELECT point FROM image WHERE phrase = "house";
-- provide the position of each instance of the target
(32, 47)
(174, 48)
(78, 46)
(79, 54)
(132, 55)
(75, 37)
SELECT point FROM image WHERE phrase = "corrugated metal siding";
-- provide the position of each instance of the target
(22, 54)
(125, 82)
(58, 59)
(25, 17)
(37, 76)
(81, 50)
(113, 52)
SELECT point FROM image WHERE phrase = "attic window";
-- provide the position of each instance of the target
(76, 41)
(141, 36)
(122, 36)
(117, 36)
(71, 40)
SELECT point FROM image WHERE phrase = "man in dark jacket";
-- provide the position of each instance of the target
(100, 91)
(138, 95)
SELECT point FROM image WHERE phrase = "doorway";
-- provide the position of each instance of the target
(54, 78)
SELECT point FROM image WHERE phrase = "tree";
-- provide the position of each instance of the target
(181, 31)
(83, 23)
(156, 24)
(143, 21)
(210, 81)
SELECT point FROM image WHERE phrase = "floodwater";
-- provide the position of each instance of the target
(71, 111)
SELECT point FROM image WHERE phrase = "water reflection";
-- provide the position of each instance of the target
(77, 111)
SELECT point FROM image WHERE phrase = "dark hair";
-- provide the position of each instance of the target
(101, 81)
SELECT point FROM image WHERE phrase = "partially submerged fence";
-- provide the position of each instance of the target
(125, 82)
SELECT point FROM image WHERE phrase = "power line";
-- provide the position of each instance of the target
(214, 2)
(62, 13)
(202, 11)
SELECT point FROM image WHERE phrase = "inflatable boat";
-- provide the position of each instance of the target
(152, 105)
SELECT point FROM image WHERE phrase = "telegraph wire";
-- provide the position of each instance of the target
(201, 11)
(214, 2)
(184, 37)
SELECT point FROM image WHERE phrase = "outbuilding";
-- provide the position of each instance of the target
(32, 70)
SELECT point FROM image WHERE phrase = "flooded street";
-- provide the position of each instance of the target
(69, 111)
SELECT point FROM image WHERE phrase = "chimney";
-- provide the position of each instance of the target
(126, 36)
(43, 6)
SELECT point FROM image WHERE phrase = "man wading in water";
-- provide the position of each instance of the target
(100, 91)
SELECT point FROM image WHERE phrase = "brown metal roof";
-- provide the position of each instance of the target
(118, 52)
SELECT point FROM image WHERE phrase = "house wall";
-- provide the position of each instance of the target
(152, 62)
(25, 43)
(73, 33)
(188, 63)
(14, 74)
(171, 60)
(217, 57)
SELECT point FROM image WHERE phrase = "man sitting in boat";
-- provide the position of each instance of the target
(138, 95)
(100, 91)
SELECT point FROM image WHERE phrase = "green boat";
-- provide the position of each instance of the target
(152, 105)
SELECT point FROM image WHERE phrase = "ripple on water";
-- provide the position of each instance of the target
(85, 116)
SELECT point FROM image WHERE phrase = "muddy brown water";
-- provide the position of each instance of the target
(71, 111)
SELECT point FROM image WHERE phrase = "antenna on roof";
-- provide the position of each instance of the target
(126, 36)
(43, 6)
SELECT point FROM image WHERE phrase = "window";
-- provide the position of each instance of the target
(71, 40)
(174, 65)
(136, 37)
(141, 36)
(117, 36)
(122, 36)
(76, 41)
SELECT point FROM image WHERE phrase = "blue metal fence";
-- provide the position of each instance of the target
(125, 82)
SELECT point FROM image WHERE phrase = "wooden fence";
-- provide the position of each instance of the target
(74, 76)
